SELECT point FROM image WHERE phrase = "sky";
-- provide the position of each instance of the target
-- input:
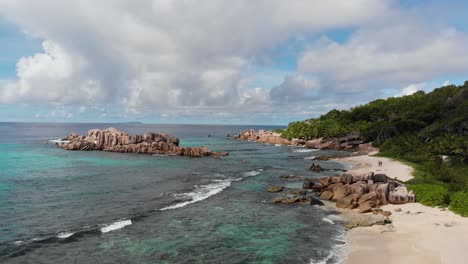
(221, 62)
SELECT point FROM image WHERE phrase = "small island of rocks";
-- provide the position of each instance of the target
(113, 140)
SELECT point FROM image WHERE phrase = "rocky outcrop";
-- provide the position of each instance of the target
(263, 136)
(297, 199)
(113, 140)
(350, 142)
(315, 167)
(274, 189)
(293, 196)
(362, 192)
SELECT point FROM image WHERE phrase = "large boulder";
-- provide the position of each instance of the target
(359, 188)
(326, 195)
(335, 179)
(334, 186)
(400, 195)
(379, 178)
(346, 178)
(382, 193)
(371, 196)
(341, 192)
(366, 207)
(325, 181)
(347, 201)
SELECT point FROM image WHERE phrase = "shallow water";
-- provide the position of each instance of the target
(60, 206)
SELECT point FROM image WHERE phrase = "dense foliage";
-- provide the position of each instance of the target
(459, 203)
(431, 195)
(420, 128)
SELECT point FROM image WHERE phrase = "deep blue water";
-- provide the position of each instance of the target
(60, 206)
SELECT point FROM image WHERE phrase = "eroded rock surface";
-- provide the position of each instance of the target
(363, 192)
(113, 140)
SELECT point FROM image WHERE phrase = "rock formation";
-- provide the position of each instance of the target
(349, 142)
(114, 140)
(263, 137)
(362, 192)
(315, 167)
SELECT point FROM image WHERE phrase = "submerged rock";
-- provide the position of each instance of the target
(274, 189)
(113, 140)
(297, 199)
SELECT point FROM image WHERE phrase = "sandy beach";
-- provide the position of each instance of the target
(418, 234)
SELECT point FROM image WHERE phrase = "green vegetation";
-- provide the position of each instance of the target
(431, 195)
(419, 129)
(459, 203)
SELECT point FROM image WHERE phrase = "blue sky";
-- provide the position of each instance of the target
(260, 63)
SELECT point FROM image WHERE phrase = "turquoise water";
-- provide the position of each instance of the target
(55, 204)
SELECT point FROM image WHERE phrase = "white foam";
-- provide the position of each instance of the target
(305, 150)
(252, 173)
(310, 158)
(327, 220)
(59, 141)
(19, 242)
(116, 225)
(202, 192)
(278, 145)
(65, 234)
(336, 252)
(334, 217)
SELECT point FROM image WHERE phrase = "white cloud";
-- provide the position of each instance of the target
(188, 58)
(411, 89)
(296, 88)
(160, 55)
(388, 55)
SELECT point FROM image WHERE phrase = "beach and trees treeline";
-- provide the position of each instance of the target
(427, 130)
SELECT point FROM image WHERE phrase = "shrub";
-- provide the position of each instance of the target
(430, 194)
(459, 203)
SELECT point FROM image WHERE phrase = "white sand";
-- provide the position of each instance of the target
(366, 163)
(418, 234)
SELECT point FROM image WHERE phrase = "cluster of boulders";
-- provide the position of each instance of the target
(362, 192)
(349, 142)
(262, 136)
(114, 140)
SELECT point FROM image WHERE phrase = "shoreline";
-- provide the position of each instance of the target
(418, 233)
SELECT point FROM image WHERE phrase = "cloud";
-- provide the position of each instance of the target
(296, 88)
(48, 77)
(188, 58)
(159, 56)
(411, 89)
(388, 55)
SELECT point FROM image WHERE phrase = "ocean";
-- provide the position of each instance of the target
(59, 206)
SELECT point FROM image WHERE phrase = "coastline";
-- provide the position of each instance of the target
(418, 233)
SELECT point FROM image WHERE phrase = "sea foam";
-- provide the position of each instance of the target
(115, 225)
(252, 173)
(302, 150)
(202, 192)
(63, 235)
(58, 141)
